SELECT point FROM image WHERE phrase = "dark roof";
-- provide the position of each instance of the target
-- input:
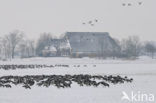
(89, 41)
(86, 33)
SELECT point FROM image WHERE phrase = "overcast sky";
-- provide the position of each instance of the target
(58, 16)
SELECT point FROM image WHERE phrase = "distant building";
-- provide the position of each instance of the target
(91, 44)
(58, 47)
(81, 44)
(49, 51)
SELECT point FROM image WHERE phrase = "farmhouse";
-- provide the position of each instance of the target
(49, 51)
(91, 44)
(81, 44)
(58, 47)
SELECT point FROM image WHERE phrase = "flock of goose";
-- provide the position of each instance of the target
(131, 4)
(29, 66)
(37, 66)
(91, 22)
(62, 81)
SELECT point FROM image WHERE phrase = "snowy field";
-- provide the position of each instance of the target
(143, 71)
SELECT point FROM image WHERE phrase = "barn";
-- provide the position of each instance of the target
(91, 44)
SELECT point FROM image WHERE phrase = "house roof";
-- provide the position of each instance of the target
(61, 43)
(89, 41)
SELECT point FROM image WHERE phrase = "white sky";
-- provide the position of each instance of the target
(58, 16)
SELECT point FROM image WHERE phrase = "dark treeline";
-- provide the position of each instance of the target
(14, 44)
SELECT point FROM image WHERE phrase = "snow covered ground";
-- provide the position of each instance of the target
(143, 71)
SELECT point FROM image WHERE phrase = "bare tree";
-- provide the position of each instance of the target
(31, 44)
(1, 48)
(44, 40)
(5, 49)
(12, 39)
(150, 48)
(131, 47)
(116, 49)
(22, 49)
(26, 49)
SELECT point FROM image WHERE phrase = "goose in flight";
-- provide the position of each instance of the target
(129, 4)
(123, 4)
(139, 3)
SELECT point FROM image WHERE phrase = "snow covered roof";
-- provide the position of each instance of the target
(90, 41)
(61, 43)
(52, 48)
(65, 45)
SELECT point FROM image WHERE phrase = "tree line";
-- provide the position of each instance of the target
(14, 44)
